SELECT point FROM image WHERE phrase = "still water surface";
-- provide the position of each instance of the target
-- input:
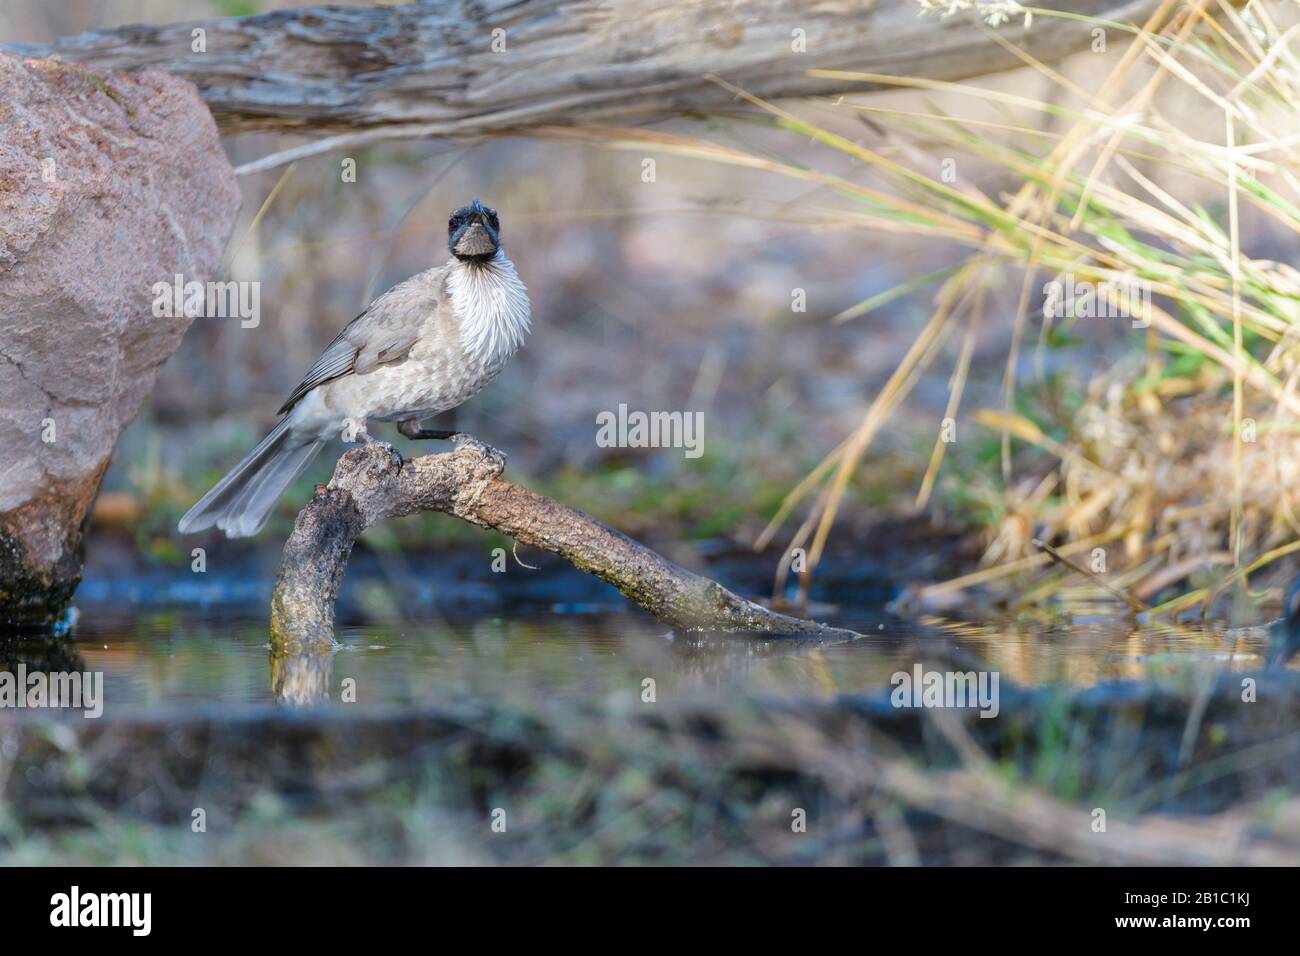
(174, 657)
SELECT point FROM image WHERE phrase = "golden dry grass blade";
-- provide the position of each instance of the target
(956, 387)
(1139, 104)
(895, 388)
(1241, 573)
(261, 214)
(1033, 561)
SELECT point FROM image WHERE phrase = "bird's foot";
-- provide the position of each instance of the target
(354, 431)
(411, 429)
(393, 454)
(490, 459)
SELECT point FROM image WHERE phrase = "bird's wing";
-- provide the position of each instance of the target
(386, 337)
(381, 335)
(336, 360)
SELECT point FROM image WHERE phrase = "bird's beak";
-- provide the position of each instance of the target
(475, 241)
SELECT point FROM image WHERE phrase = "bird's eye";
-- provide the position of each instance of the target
(451, 223)
(496, 223)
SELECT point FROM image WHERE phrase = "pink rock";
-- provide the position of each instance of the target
(112, 182)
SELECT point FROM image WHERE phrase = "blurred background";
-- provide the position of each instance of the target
(676, 294)
(681, 294)
(671, 295)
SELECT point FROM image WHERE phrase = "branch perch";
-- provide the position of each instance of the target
(372, 483)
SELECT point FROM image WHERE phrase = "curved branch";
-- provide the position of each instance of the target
(467, 68)
(372, 483)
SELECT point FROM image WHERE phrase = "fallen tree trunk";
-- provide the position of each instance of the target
(372, 483)
(465, 67)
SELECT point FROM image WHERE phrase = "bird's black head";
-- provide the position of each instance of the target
(474, 233)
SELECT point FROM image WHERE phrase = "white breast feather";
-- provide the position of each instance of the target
(491, 307)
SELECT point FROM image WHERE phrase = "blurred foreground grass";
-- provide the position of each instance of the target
(847, 780)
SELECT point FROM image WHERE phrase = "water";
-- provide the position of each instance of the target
(442, 701)
(182, 656)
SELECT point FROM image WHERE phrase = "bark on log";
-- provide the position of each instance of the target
(469, 67)
(372, 483)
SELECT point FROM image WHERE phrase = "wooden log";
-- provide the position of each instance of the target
(470, 67)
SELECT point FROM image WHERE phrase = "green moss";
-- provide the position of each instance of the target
(29, 595)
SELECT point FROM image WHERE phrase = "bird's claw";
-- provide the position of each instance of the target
(492, 458)
(394, 456)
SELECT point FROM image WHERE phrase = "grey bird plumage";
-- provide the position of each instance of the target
(425, 346)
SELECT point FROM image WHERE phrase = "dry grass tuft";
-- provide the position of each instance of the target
(1153, 168)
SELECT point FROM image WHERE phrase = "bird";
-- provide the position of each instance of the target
(1285, 639)
(425, 346)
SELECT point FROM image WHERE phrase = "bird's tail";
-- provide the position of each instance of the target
(240, 503)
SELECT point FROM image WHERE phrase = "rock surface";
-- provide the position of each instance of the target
(112, 182)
